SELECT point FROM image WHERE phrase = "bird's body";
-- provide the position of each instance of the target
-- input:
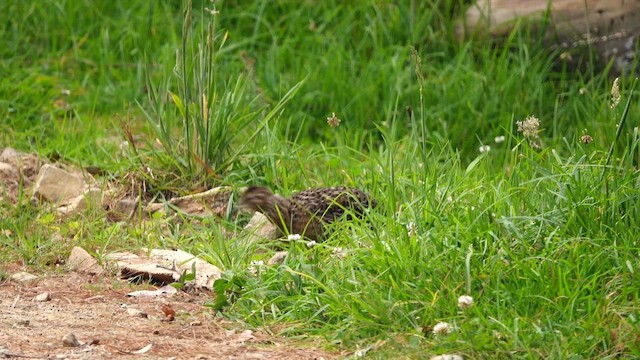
(307, 212)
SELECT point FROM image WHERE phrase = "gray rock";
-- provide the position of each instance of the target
(42, 297)
(70, 340)
(278, 258)
(136, 313)
(81, 261)
(57, 186)
(24, 277)
(89, 199)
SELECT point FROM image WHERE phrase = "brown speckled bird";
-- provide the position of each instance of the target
(307, 212)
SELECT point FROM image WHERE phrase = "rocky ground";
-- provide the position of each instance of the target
(79, 316)
(84, 311)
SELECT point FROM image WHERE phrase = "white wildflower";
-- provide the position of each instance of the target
(339, 252)
(294, 237)
(311, 243)
(411, 228)
(441, 328)
(484, 148)
(465, 301)
(255, 265)
(499, 139)
(213, 11)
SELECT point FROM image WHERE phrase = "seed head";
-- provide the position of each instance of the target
(615, 93)
(333, 121)
(530, 129)
(586, 139)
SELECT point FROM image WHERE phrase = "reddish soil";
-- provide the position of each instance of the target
(95, 311)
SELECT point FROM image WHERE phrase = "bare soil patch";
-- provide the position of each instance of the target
(95, 310)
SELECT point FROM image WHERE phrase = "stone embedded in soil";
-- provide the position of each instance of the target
(136, 313)
(261, 228)
(24, 277)
(57, 186)
(8, 174)
(9, 181)
(25, 164)
(166, 266)
(70, 340)
(123, 209)
(81, 261)
(89, 199)
(43, 297)
(278, 258)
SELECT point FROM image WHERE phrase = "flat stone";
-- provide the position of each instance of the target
(24, 277)
(57, 186)
(81, 261)
(166, 266)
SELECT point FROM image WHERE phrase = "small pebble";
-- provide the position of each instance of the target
(447, 357)
(70, 340)
(137, 313)
(43, 297)
(23, 277)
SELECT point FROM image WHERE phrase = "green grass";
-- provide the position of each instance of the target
(545, 240)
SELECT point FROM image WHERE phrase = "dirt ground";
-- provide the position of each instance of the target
(96, 311)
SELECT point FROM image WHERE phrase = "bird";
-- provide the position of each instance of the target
(307, 212)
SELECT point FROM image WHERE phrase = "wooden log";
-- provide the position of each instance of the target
(612, 27)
